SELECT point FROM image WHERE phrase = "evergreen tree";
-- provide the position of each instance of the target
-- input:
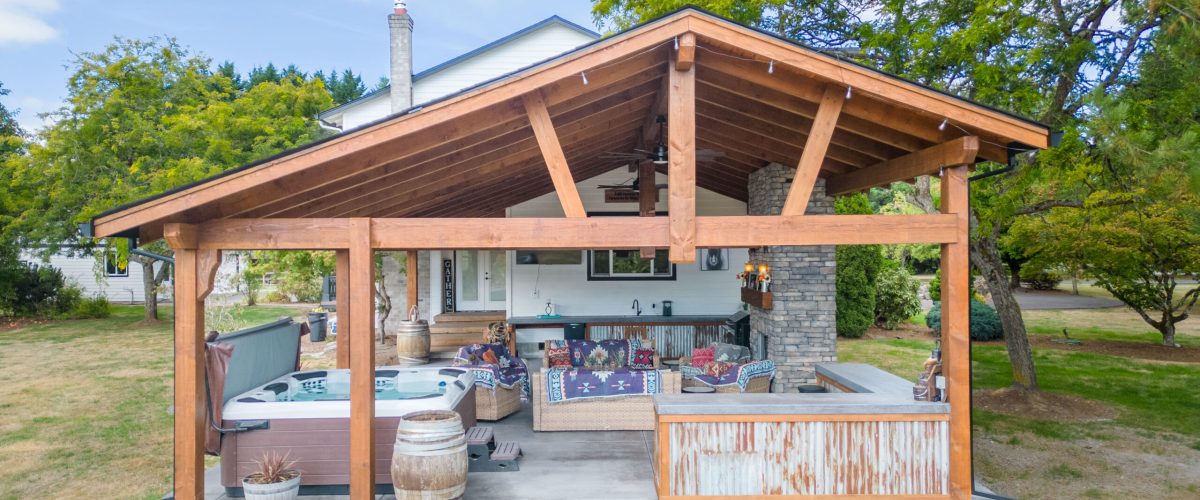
(265, 74)
(858, 268)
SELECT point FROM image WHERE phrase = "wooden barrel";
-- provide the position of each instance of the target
(412, 340)
(429, 461)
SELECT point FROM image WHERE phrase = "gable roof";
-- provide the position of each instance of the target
(473, 153)
(383, 91)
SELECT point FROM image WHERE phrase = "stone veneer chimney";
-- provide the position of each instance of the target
(400, 27)
(801, 327)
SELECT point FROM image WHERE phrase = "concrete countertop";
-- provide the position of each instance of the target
(880, 392)
(645, 318)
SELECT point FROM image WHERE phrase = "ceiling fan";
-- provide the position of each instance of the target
(659, 155)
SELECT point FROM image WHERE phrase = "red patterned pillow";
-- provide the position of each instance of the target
(490, 358)
(643, 359)
(702, 355)
(560, 357)
(717, 368)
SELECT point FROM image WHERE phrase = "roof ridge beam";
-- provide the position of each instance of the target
(814, 151)
(961, 151)
(552, 153)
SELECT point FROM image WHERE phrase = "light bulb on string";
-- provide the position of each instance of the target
(943, 125)
(771, 68)
(583, 75)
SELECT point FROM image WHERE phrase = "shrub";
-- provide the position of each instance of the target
(857, 269)
(935, 286)
(93, 307)
(1040, 279)
(37, 291)
(985, 323)
(896, 297)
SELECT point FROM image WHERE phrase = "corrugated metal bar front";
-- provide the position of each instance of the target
(671, 340)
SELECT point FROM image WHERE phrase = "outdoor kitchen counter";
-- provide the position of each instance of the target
(854, 388)
(628, 318)
(865, 437)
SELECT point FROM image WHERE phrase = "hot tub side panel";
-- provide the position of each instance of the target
(320, 447)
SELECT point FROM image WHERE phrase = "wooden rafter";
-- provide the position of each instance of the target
(681, 165)
(961, 151)
(814, 151)
(552, 153)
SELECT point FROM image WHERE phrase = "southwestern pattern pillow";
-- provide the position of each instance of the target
(559, 356)
(702, 355)
(643, 359)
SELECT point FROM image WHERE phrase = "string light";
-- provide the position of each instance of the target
(849, 91)
(943, 125)
(676, 43)
(584, 76)
(771, 68)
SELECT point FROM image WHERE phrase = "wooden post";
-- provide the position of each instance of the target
(342, 270)
(194, 272)
(647, 197)
(362, 361)
(956, 330)
(681, 168)
(411, 264)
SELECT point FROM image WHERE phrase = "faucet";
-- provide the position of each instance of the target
(637, 307)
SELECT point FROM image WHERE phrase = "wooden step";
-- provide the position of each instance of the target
(506, 450)
(480, 316)
(479, 435)
(463, 327)
(443, 340)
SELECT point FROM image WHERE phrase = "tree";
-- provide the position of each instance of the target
(145, 116)
(857, 269)
(343, 87)
(12, 151)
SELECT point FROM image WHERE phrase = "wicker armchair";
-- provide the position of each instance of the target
(608, 414)
(759, 381)
(499, 385)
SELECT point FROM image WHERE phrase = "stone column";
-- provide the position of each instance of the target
(800, 328)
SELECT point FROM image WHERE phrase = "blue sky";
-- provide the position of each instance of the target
(38, 37)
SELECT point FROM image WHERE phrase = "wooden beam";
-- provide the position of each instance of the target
(362, 361)
(180, 235)
(412, 267)
(194, 273)
(552, 153)
(557, 233)
(927, 161)
(650, 123)
(647, 198)
(956, 328)
(685, 54)
(342, 270)
(814, 151)
(681, 167)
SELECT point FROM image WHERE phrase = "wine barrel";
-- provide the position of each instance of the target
(412, 340)
(429, 461)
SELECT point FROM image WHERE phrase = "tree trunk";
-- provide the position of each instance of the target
(1014, 274)
(1168, 333)
(985, 256)
(149, 289)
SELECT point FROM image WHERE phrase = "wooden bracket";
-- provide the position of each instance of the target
(815, 148)
(961, 151)
(556, 161)
(207, 262)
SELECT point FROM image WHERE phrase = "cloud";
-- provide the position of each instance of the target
(21, 21)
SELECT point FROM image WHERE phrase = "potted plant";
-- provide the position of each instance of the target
(318, 318)
(276, 479)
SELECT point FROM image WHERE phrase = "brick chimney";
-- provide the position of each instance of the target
(400, 26)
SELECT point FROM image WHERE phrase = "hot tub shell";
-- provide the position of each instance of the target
(320, 445)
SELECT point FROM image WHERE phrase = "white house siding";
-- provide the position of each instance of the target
(529, 48)
(693, 291)
(82, 272)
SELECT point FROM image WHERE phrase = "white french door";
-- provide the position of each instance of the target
(480, 280)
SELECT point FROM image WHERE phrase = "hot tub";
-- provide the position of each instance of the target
(307, 415)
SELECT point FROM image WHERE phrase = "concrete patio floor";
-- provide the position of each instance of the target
(556, 465)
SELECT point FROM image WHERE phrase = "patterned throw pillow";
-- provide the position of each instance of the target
(559, 356)
(717, 368)
(490, 358)
(702, 355)
(643, 359)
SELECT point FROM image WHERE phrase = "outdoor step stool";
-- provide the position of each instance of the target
(486, 455)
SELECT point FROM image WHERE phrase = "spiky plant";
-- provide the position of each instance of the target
(273, 468)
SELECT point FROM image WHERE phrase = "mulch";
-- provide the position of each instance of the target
(1038, 405)
(7, 324)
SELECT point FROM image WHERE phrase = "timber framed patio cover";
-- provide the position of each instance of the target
(439, 176)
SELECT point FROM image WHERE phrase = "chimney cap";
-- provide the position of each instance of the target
(400, 7)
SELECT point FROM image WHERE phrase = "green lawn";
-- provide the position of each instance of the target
(85, 405)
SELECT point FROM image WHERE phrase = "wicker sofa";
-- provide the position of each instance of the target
(498, 385)
(635, 412)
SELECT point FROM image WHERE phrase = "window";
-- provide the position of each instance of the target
(628, 265)
(113, 267)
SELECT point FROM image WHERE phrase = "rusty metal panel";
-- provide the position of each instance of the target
(671, 340)
(809, 458)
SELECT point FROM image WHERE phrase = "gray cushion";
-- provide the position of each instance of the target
(730, 353)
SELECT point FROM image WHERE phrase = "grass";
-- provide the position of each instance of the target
(86, 402)
(1116, 323)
